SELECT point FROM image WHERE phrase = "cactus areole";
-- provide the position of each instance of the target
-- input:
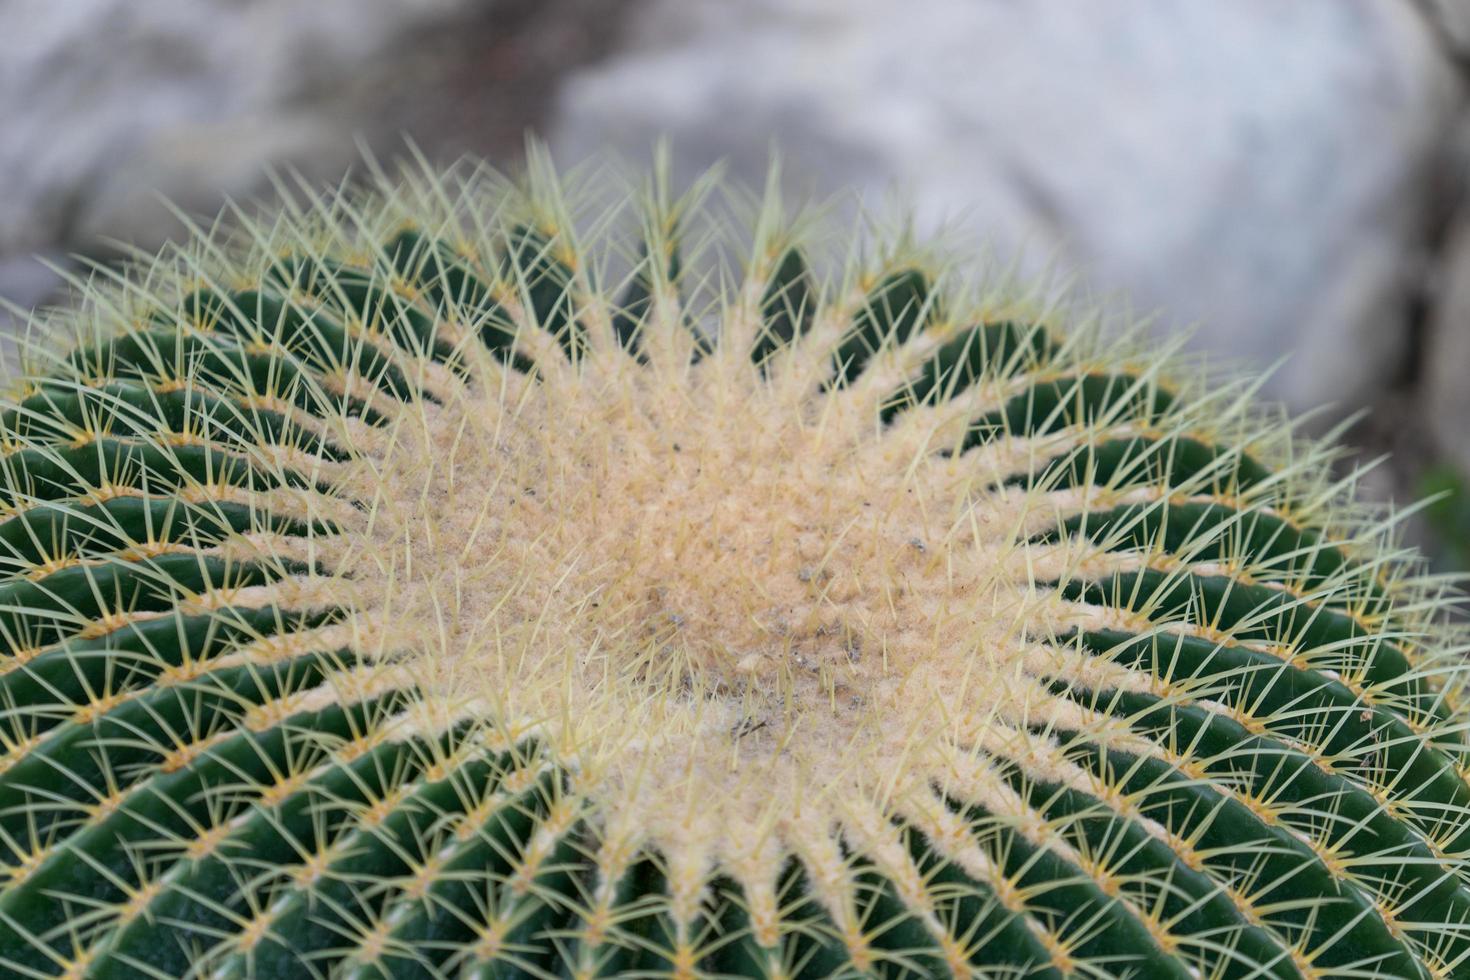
(464, 577)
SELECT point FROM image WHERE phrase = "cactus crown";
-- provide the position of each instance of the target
(475, 578)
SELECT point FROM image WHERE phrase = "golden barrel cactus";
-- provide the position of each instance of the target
(462, 577)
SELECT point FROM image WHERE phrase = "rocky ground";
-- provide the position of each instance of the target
(1287, 180)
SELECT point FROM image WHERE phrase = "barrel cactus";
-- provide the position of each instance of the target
(456, 576)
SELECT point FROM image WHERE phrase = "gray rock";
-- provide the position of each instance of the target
(1450, 19)
(107, 102)
(111, 106)
(1445, 395)
(1257, 168)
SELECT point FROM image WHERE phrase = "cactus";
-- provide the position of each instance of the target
(455, 576)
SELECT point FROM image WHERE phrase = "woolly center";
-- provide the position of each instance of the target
(704, 588)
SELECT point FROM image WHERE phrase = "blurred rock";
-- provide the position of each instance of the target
(105, 101)
(1256, 167)
(1445, 388)
(1447, 392)
(1451, 20)
(110, 105)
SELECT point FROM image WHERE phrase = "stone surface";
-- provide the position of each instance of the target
(1445, 390)
(1450, 19)
(106, 100)
(1255, 168)
(109, 106)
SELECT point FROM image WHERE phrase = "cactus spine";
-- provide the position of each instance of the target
(467, 578)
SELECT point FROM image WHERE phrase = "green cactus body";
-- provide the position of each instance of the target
(448, 580)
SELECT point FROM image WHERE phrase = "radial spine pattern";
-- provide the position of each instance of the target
(460, 577)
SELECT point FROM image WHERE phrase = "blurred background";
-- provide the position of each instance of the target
(1288, 180)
